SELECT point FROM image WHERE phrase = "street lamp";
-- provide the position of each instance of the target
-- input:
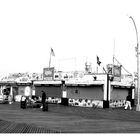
(137, 50)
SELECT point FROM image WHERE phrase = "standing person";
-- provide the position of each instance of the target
(44, 104)
(128, 102)
(43, 97)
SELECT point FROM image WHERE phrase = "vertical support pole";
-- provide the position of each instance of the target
(137, 51)
(11, 91)
(106, 93)
(133, 96)
(0, 90)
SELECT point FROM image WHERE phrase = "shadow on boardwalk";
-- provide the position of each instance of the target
(63, 119)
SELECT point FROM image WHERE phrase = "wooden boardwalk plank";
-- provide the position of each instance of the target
(4, 125)
(9, 127)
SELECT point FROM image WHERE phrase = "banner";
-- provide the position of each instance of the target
(117, 73)
(48, 73)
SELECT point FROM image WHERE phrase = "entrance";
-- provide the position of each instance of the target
(6, 92)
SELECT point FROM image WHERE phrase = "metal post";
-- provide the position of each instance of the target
(107, 86)
(137, 50)
(138, 74)
(106, 99)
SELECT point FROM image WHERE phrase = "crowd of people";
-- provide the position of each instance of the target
(35, 101)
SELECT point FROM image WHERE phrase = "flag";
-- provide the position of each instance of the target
(98, 61)
(52, 52)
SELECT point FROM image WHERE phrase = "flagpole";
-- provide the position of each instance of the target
(113, 51)
(113, 58)
(96, 68)
(50, 60)
(98, 62)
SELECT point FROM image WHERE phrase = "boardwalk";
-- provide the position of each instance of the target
(62, 119)
(11, 127)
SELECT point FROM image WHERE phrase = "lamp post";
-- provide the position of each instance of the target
(137, 50)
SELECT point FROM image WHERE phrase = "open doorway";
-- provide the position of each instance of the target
(6, 92)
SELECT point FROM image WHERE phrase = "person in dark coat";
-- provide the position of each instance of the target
(44, 104)
(43, 97)
(23, 102)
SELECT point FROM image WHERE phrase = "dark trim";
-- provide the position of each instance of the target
(83, 85)
(47, 85)
(120, 87)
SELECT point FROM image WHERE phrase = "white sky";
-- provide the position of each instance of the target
(76, 30)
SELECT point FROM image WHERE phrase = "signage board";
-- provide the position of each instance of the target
(115, 71)
(48, 73)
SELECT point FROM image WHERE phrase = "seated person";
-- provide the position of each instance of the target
(32, 100)
(38, 99)
(35, 102)
(23, 98)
